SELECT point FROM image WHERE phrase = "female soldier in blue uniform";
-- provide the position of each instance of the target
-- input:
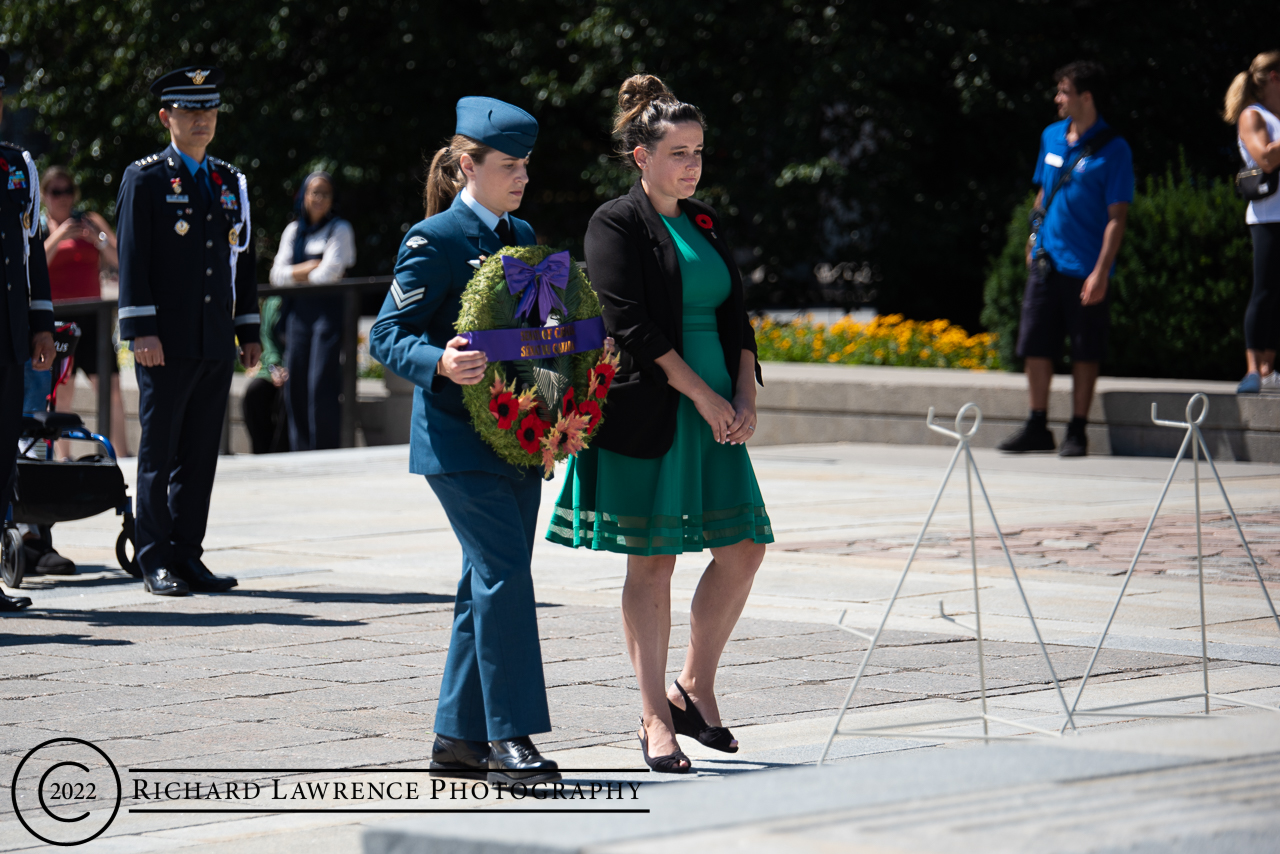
(492, 689)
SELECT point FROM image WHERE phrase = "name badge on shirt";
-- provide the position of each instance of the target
(1054, 160)
(178, 200)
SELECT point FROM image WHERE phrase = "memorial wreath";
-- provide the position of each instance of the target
(533, 313)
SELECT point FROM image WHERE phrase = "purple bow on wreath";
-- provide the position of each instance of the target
(538, 283)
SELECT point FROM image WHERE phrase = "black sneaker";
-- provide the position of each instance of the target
(1031, 437)
(1074, 444)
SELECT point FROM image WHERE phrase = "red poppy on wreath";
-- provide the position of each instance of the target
(604, 374)
(590, 410)
(505, 408)
(704, 221)
(568, 407)
(217, 179)
(530, 433)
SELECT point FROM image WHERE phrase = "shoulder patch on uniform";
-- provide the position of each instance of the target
(11, 146)
(148, 160)
(416, 241)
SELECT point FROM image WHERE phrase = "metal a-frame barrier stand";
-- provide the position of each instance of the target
(971, 474)
(1195, 439)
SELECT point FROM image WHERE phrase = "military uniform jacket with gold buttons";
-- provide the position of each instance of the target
(176, 275)
(24, 275)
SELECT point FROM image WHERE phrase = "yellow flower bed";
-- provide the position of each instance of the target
(886, 340)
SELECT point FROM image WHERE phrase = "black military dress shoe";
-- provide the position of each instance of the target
(516, 760)
(162, 582)
(9, 604)
(457, 757)
(201, 580)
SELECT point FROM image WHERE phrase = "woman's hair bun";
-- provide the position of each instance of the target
(636, 93)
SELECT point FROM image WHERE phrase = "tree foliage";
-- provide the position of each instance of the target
(857, 151)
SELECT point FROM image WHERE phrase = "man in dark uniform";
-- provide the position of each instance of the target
(187, 294)
(26, 310)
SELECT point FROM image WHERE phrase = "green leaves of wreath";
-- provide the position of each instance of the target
(487, 304)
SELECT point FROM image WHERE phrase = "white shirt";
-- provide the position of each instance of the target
(487, 216)
(1268, 209)
(335, 243)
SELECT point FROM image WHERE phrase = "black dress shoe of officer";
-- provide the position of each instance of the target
(9, 604)
(162, 582)
(458, 757)
(201, 580)
(516, 760)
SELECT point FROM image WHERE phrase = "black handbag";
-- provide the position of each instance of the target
(1254, 184)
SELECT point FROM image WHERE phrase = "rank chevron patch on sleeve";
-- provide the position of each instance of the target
(403, 297)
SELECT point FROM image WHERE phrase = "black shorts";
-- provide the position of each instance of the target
(1051, 313)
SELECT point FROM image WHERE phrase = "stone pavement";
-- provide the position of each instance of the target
(328, 655)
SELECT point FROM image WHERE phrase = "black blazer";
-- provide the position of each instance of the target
(633, 266)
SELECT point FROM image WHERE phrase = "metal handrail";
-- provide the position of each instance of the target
(104, 311)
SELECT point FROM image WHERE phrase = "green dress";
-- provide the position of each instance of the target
(700, 494)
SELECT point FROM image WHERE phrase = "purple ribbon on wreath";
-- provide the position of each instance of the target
(537, 284)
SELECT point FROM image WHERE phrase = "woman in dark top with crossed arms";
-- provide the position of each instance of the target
(668, 472)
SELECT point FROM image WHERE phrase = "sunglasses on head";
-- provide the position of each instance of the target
(62, 191)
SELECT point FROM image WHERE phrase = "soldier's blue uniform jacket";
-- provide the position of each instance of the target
(27, 307)
(416, 322)
(176, 278)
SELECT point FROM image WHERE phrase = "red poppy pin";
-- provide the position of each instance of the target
(217, 179)
(4, 164)
(704, 221)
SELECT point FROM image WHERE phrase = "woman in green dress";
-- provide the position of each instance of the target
(668, 472)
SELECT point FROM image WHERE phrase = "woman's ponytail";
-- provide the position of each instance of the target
(444, 176)
(1247, 86)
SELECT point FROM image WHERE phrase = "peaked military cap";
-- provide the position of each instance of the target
(4, 66)
(191, 88)
(497, 124)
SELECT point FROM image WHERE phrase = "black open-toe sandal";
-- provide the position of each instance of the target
(689, 721)
(669, 764)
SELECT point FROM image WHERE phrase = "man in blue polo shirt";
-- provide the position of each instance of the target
(1085, 176)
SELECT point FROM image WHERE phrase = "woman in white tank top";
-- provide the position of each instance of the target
(1253, 105)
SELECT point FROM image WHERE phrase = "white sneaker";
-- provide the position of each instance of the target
(1271, 382)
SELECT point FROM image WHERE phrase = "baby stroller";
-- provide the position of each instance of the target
(47, 490)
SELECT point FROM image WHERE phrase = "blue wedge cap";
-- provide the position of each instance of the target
(498, 125)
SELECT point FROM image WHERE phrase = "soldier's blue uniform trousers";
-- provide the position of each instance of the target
(183, 403)
(487, 693)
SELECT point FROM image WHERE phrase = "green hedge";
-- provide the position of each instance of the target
(1179, 291)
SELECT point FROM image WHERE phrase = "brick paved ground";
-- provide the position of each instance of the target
(343, 676)
(1102, 548)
